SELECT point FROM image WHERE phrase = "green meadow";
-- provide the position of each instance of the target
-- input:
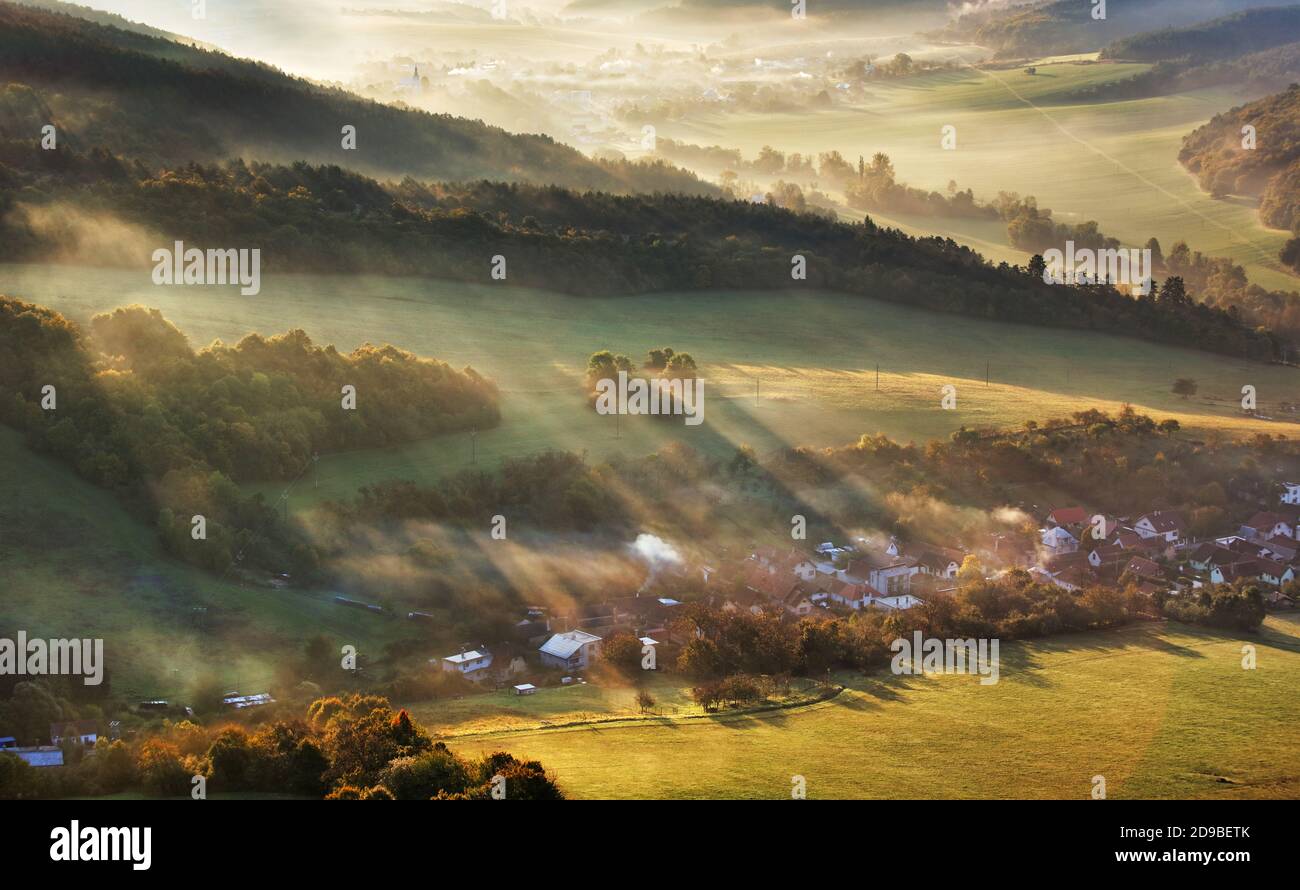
(74, 563)
(1113, 162)
(1161, 710)
(781, 368)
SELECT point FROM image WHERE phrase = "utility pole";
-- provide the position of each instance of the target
(877, 376)
(986, 373)
(473, 447)
(756, 381)
(315, 469)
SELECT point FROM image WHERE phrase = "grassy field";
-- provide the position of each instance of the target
(1114, 162)
(1158, 710)
(75, 564)
(811, 356)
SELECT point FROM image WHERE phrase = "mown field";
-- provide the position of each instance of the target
(1158, 710)
(1113, 162)
(812, 358)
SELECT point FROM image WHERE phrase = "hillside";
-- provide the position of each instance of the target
(1068, 26)
(1244, 32)
(166, 103)
(1270, 171)
(326, 219)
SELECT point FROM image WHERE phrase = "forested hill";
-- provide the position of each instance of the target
(168, 103)
(326, 219)
(1244, 32)
(1270, 170)
(1068, 26)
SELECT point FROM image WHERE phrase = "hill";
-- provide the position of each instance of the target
(1269, 169)
(1065, 26)
(1244, 32)
(164, 102)
(326, 219)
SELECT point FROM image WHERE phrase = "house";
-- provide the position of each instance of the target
(1266, 526)
(472, 665)
(1166, 525)
(1231, 572)
(1072, 518)
(1145, 570)
(572, 649)
(940, 562)
(798, 603)
(1290, 493)
(525, 689)
(1211, 554)
(853, 596)
(890, 574)
(1058, 539)
(84, 731)
(240, 702)
(1104, 553)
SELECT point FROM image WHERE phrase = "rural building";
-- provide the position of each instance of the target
(84, 731)
(880, 570)
(1266, 526)
(1290, 493)
(45, 755)
(1058, 539)
(1166, 525)
(570, 650)
(525, 689)
(472, 665)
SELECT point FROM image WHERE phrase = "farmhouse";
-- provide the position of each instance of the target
(472, 665)
(1290, 493)
(570, 650)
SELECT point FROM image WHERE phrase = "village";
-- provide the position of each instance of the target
(1074, 549)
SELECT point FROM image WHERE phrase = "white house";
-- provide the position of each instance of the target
(1059, 540)
(1266, 526)
(1291, 492)
(83, 731)
(472, 665)
(571, 650)
(1164, 524)
(525, 689)
(882, 571)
